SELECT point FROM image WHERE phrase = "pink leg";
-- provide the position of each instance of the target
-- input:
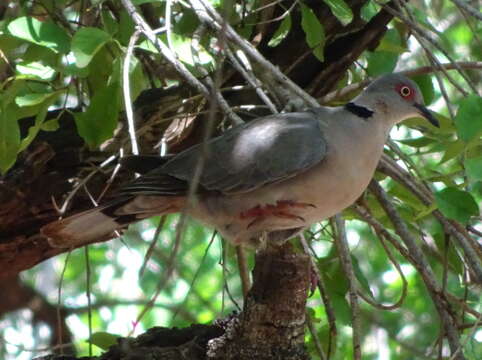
(280, 210)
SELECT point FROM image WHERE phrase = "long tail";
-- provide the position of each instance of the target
(102, 222)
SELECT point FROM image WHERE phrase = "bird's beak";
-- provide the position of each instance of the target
(422, 110)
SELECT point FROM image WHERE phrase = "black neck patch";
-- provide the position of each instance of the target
(359, 110)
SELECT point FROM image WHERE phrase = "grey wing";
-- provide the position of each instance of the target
(264, 151)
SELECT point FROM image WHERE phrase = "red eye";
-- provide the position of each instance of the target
(405, 91)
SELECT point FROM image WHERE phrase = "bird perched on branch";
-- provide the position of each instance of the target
(271, 177)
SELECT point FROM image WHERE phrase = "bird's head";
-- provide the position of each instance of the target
(397, 98)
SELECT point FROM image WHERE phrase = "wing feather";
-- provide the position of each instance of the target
(244, 158)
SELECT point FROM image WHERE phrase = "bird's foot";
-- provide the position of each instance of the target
(280, 210)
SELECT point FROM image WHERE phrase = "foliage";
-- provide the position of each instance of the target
(58, 56)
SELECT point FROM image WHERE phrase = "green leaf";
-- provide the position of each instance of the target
(148, 46)
(452, 256)
(341, 308)
(391, 42)
(74, 70)
(315, 34)
(32, 99)
(368, 10)
(98, 122)
(468, 121)
(110, 24)
(425, 84)
(425, 212)
(33, 130)
(341, 10)
(456, 204)
(35, 70)
(86, 43)
(187, 24)
(126, 28)
(37, 103)
(9, 128)
(360, 276)
(137, 79)
(453, 149)
(406, 196)
(50, 125)
(381, 62)
(9, 137)
(45, 34)
(281, 32)
(103, 339)
(418, 142)
(474, 168)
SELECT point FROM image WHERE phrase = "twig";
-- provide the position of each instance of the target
(88, 293)
(464, 240)
(447, 66)
(422, 266)
(346, 263)
(382, 234)
(278, 18)
(208, 15)
(347, 90)
(329, 311)
(243, 270)
(225, 278)
(421, 32)
(168, 16)
(152, 245)
(316, 338)
(467, 7)
(194, 278)
(69, 197)
(179, 66)
(467, 338)
(127, 92)
(247, 73)
(59, 303)
(167, 273)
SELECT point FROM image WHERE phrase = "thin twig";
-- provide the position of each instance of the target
(382, 234)
(422, 33)
(59, 303)
(464, 240)
(347, 265)
(178, 65)
(167, 273)
(248, 74)
(422, 266)
(349, 89)
(209, 15)
(243, 270)
(467, 7)
(329, 311)
(468, 337)
(194, 278)
(152, 245)
(127, 92)
(314, 335)
(88, 293)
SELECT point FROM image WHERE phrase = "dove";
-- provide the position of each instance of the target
(268, 179)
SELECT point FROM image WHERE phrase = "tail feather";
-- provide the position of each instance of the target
(83, 228)
(102, 222)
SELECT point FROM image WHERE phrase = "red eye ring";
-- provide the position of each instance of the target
(405, 91)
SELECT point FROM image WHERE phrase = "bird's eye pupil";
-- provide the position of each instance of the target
(405, 91)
